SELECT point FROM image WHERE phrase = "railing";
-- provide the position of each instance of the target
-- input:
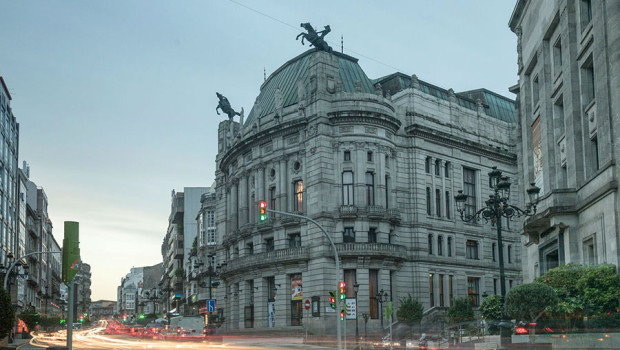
(348, 211)
(393, 214)
(291, 220)
(276, 256)
(372, 249)
(375, 211)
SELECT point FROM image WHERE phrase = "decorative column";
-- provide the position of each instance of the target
(283, 203)
(243, 198)
(234, 204)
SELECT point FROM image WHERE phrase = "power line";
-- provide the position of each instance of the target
(296, 28)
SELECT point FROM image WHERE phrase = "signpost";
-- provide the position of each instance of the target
(211, 305)
(307, 304)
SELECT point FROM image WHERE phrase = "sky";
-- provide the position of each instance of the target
(116, 99)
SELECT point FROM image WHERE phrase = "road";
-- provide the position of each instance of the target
(96, 339)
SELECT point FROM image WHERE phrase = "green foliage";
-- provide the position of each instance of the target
(410, 310)
(216, 320)
(527, 302)
(7, 314)
(584, 291)
(194, 251)
(50, 322)
(30, 317)
(179, 272)
(460, 311)
(490, 309)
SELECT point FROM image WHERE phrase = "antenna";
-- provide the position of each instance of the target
(264, 74)
(341, 43)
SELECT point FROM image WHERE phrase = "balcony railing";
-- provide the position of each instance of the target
(277, 256)
(393, 215)
(348, 211)
(394, 251)
(375, 211)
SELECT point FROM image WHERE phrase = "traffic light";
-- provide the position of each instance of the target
(262, 205)
(332, 299)
(125, 318)
(341, 315)
(342, 293)
(82, 318)
(70, 251)
(141, 316)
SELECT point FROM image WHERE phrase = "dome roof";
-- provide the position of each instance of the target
(296, 69)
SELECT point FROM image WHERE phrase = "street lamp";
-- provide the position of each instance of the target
(381, 297)
(356, 287)
(497, 207)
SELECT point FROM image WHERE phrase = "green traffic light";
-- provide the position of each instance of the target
(263, 217)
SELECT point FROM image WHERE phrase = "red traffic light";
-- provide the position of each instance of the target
(262, 204)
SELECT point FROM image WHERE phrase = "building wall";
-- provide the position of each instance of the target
(569, 90)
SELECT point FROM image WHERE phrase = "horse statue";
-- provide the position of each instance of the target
(315, 38)
(224, 105)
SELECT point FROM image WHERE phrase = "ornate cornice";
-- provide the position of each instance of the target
(460, 143)
(368, 118)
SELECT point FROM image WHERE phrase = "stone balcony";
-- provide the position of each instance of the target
(348, 211)
(269, 258)
(290, 220)
(394, 251)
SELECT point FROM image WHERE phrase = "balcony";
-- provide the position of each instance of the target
(280, 256)
(291, 220)
(380, 250)
(32, 228)
(348, 211)
(375, 212)
(393, 215)
(178, 252)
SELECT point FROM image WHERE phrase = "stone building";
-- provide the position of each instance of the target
(377, 163)
(568, 127)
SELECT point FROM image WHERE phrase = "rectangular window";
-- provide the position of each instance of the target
(535, 91)
(370, 188)
(451, 288)
(557, 55)
(441, 297)
(585, 16)
(349, 282)
(372, 235)
(387, 192)
(373, 290)
(430, 244)
(438, 203)
(509, 254)
(473, 290)
(298, 202)
(446, 170)
(469, 188)
(431, 288)
(449, 246)
(427, 165)
(587, 82)
(387, 161)
(348, 236)
(471, 249)
(429, 210)
(272, 197)
(440, 245)
(269, 244)
(447, 204)
(493, 248)
(595, 161)
(250, 248)
(589, 255)
(294, 240)
(437, 167)
(347, 156)
(271, 288)
(369, 156)
(347, 188)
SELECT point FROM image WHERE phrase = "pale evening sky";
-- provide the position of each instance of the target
(116, 99)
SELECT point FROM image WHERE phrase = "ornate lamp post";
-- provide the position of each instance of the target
(356, 287)
(381, 297)
(495, 208)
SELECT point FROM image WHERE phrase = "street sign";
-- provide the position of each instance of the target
(351, 304)
(211, 305)
(307, 304)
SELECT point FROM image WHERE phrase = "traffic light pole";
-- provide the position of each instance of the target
(71, 287)
(338, 307)
(8, 272)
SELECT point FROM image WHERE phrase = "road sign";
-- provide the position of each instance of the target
(351, 304)
(211, 305)
(307, 304)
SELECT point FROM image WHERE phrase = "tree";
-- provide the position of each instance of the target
(491, 312)
(527, 302)
(409, 311)
(7, 314)
(460, 311)
(30, 317)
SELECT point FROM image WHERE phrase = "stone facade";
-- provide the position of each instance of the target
(568, 107)
(377, 163)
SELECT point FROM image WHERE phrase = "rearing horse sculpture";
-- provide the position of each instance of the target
(315, 38)
(224, 105)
